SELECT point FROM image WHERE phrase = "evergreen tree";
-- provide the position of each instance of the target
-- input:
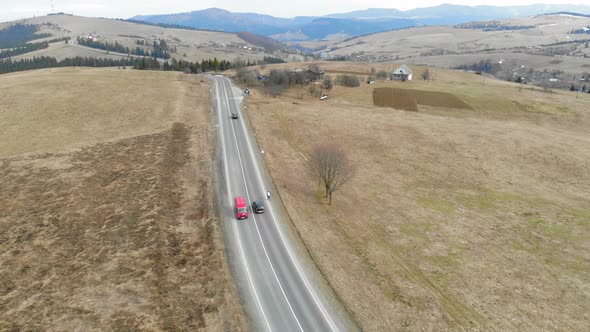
(19, 34)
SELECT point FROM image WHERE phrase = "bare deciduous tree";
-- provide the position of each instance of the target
(330, 164)
(314, 92)
(314, 68)
(546, 85)
(382, 75)
(426, 75)
(327, 83)
(348, 80)
(247, 77)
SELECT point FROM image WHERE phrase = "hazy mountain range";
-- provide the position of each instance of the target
(349, 24)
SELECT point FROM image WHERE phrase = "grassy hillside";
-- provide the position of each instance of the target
(456, 218)
(189, 44)
(544, 45)
(106, 209)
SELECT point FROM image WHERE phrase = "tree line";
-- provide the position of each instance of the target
(7, 53)
(483, 66)
(583, 31)
(197, 67)
(278, 80)
(165, 25)
(27, 48)
(269, 60)
(159, 48)
(494, 26)
(19, 34)
(212, 65)
(7, 66)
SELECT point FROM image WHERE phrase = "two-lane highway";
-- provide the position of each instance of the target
(278, 290)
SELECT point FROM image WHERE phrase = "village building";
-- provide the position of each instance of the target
(402, 73)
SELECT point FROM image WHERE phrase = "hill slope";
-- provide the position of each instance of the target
(516, 46)
(188, 44)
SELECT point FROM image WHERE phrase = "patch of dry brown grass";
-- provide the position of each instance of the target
(119, 234)
(455, 220)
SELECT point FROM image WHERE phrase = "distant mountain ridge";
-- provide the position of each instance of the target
(223, 20)
(350, 24)
(491, 12)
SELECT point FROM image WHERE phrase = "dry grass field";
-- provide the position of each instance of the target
(107, 215)
(456, 218)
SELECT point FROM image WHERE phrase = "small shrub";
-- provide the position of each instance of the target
(382, 75)
(247, 77)
(327, 83)
(347, 80)
(273, 89)
(314, 92)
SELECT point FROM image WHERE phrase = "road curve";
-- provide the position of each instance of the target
(281, 290)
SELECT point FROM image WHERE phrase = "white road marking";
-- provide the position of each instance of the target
(309, 289)
(233, 221)
(256, 225)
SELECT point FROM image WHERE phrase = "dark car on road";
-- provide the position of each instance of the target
(257, 207)
(234, 115)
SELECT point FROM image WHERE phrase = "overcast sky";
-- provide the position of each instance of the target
(15, 9)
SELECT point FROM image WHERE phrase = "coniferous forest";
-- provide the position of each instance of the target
(19, 34)
(159, 48)
(144, 63)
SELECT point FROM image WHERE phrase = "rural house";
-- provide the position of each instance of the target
(402, 73)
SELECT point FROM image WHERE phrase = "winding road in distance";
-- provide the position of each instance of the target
(279, 286)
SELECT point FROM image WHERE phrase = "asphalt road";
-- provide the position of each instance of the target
(280, 290)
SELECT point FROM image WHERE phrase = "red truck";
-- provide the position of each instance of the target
(241, 208)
